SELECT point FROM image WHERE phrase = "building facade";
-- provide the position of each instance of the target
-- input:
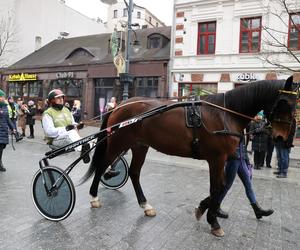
(117, 13)
(218, 45)
(34, 23)
(82, 68)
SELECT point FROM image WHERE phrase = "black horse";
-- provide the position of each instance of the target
(224, 116)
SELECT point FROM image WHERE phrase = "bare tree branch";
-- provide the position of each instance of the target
(276, 39)
(7, 34)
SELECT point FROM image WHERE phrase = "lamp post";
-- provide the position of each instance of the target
(126, 78)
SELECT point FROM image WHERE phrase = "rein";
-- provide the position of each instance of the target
(201, 101)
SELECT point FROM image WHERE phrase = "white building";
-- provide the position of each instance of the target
(117, 12)
(217, 45)
(37, 22)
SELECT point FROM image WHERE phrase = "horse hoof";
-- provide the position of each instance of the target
(218, 232)
(150, 212)
(198, 213)
(95, 203)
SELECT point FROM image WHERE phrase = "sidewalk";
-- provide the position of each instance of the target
(154, 156)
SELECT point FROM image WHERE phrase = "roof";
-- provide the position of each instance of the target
(57, 52)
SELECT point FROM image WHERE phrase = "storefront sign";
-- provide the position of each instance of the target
(247, 77)
(22, 77)
(61, 75)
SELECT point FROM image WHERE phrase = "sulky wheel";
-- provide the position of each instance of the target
(53, 193)
(118, 181)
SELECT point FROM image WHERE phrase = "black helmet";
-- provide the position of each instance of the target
(55, 93)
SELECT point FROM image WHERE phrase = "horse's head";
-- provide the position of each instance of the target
(283, 110)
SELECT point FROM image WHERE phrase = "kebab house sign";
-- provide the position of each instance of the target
(22, 77)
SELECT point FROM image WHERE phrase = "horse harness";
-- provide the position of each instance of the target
(193, 120)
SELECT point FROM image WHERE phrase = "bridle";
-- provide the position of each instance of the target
(287, 96)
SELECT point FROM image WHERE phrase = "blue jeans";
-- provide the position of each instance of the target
(233, 167)
(283, 158)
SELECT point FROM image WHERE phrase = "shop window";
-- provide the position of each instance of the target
(250, 35)
(71, 87)
(26, 89)
(206, 38)
(198, 89)
(147, 86)
(35, 89)
(293, 36)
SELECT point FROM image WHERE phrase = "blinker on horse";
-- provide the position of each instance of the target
(166, 132)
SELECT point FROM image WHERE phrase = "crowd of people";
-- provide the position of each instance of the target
(19, 115)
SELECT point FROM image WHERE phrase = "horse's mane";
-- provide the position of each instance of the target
(246, 99)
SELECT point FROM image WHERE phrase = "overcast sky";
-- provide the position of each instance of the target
(163, 9)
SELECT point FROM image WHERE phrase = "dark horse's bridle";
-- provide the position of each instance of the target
(284, 97)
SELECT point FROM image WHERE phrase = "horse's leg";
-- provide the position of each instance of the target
(95, 202)
(203, 206)
(138, 158)
(216, 172)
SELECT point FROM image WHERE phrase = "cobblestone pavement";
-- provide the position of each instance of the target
(174, 186)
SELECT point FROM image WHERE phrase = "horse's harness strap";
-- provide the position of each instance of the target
(228, 110)
(196, 121)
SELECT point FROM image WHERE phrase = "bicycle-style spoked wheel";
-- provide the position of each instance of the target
(118, 181)
(53, 202)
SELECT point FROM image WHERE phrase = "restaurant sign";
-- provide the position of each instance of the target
(22, 77)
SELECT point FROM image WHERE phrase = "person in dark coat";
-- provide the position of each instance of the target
(5, 122)
(30, 120)
(259, 135)
(283, 149)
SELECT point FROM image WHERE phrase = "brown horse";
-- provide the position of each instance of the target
(167, 132)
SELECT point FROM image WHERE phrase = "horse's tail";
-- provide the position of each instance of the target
(99, 154)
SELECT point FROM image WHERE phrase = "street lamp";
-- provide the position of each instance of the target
(125, 78)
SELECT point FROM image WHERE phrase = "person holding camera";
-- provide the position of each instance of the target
(59, 125)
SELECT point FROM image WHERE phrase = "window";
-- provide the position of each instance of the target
(294, 28)
(250, 34)
(125, 12)
(154, 42)
(206, 38)
(156, 24)
(71, 87)
(138, 15)
(115, 13)
(150, 19)
(145, 26)
(146, 86)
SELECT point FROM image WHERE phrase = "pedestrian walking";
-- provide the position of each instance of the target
(30, 119)
(5, 123)
(259, 135)
(13, 116)
(111, 104)
(238, 164)
(76, 111)
(22, 116)
(283, 149)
